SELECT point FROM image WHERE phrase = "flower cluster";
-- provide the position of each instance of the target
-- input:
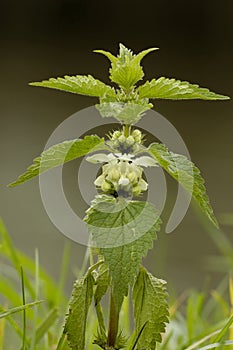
(122, 174)
(126, 144)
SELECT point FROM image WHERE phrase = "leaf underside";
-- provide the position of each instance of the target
(186, 173)
(167, 88)
(58, 155)
(150, 309)
(123, 238)
(79, 84)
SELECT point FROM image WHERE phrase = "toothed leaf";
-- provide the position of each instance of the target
(186, 173)
(60, 154)
(75, 325)
(123, 231)
(150, 309)
(79, 84)
(167, 88)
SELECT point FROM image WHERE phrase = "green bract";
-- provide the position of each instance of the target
(122, 228)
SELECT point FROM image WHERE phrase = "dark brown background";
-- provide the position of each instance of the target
(41, 39)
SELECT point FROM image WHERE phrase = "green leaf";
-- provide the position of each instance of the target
(176, 90)
(150, 309)
(126, 70)
(19, 309)
(186, 173)
(75, 326)
(102, 283)
(60, 154)
(79, 84)
(123, 231)
(129, 112)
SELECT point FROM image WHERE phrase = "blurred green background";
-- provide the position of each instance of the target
(42, 39)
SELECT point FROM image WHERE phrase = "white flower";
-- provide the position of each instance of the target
(106, 158)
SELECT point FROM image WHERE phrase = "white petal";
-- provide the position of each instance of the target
(123, 181)
(99, 180)
(98, 158)
(145, 161)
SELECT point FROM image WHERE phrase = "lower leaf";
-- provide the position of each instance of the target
(150, 309)
(75, 326)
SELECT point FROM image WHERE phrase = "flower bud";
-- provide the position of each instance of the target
(132, 177)
(130, 140)
(136, 191)
(114, 175)
(137, 135)
(122, 139)
(116, 134)
(106, 186)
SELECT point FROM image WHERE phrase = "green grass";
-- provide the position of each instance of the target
(34, 305)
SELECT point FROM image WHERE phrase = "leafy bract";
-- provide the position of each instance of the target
(126, 112)
(60, 154)
(125, 69)
(150, 309)
(167, 88)
(75, 326)
(186, 173)
(123, 231)
(79, 84)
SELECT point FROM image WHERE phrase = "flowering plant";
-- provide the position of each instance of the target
(122, 225)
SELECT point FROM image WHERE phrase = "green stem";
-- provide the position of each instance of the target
(126, 129)
(113, 322)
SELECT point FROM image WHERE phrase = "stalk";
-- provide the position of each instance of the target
(113, 322)
(126, 129)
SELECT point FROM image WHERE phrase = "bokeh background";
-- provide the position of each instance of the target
(41, 39)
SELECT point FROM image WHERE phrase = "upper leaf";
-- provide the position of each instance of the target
(126, 70)
(60, 154)
(123, 231)
(186, 173)
(75, 326)
(150, 309)
(79, 84)
(173, 89)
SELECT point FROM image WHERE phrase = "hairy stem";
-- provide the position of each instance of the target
(113, 322)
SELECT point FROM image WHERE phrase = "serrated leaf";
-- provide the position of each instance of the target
(129, 112)
(167, 88)
(150, 309)
(126, 70)
(75, 326)
(79, 84)
(60, 154)
(123, 232)
(186, 173)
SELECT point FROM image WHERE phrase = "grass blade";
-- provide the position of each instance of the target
(46, 324)
(24, 311)
(19, 309)
(224, 330)
(37, 281)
